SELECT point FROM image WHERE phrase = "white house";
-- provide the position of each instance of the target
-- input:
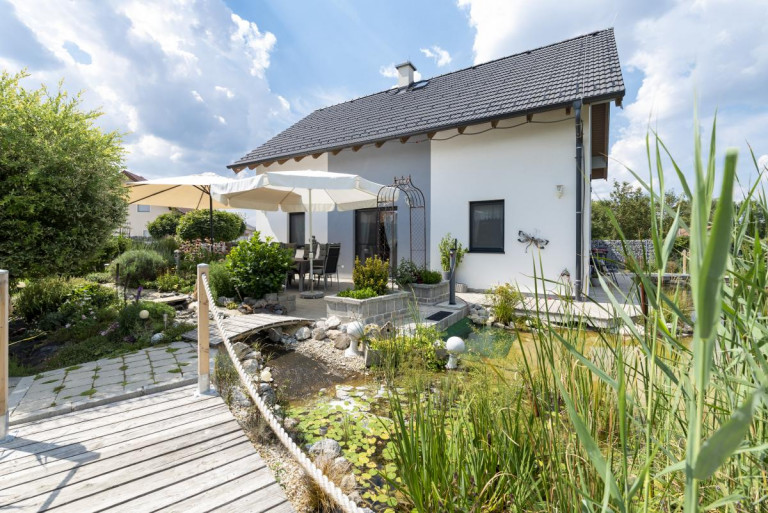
(139, 216)
(499, 148)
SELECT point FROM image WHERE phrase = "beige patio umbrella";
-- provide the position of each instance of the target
(188, 191)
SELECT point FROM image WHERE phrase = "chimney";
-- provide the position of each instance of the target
(405, 74)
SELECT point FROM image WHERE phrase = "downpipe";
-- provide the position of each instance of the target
(579, 201)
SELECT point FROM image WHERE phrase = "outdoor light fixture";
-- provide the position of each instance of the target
(454, 346)
(355, 330)
(560, 191)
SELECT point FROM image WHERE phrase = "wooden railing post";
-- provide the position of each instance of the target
(5, 301)
(203, 333)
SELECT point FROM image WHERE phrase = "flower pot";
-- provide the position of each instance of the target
(446, 275)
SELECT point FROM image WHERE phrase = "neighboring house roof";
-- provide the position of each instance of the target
(132, 177)
(585, 67)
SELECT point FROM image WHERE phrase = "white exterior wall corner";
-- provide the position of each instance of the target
(523, 166)
(275, 224)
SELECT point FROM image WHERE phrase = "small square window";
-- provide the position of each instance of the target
(142, 208)
(486, 226)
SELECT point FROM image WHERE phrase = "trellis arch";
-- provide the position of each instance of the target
(387, 215)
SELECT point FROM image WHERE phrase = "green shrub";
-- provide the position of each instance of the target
(138, 266)
(220, 280)
(85, 300)
(258, 267)
(504, 301)
(445, 245)
(165, 225)
(373, 274)
(100, 277)
(44, 296)
(366, 293)
(196, 225)
(169, 282)
(131, 324)
(429, 277)
(165, 247)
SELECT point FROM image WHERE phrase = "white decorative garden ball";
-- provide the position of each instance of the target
(144, 314)
(356, 329)
(455, 345)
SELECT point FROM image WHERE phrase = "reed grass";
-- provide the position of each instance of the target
(643, 420)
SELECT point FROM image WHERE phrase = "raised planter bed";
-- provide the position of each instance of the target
(374, 310)
(428, 294)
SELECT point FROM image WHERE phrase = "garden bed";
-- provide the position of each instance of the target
(394, 305)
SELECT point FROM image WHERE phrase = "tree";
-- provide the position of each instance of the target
(165, 224)
(61, 193)
(196, 225)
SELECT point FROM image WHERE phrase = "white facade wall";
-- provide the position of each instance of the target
(523, 166)
(275, 224)
(136, 222)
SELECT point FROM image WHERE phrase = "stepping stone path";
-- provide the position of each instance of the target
(81, 386)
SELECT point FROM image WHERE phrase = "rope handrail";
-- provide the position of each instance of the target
(328, 486)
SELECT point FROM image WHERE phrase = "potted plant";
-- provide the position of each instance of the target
(446, 243)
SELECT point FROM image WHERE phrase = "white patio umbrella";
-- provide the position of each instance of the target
(302, 191)
(188, 191)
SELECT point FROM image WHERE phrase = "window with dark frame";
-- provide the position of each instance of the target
(296, 229)
(486, 226)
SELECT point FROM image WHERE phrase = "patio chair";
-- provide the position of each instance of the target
(330, 265)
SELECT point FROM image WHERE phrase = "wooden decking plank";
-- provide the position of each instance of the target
(208, 488)
(136, 404)
(111, 489)
(222, 494)
(84, 435)
(108, 416)
(261, 501)
(50, 482)
(136, 450)
(285, 507)
(80, 451)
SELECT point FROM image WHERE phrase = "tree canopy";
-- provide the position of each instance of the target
(165, 224)
(61, 192)
(631, 207)
(197, 225)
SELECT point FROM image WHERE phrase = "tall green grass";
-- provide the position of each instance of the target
(645, 419)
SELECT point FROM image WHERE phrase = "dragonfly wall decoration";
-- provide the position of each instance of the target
(531, 240)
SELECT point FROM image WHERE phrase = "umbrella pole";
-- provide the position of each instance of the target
(311, 294)
(210, 214)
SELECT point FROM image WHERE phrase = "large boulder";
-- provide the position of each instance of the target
(319, 334)
(326, 446)
(267, 394)
(343, 341)
(332, 322)
(252, 367)
(240, 398)
(241, 349)
(333, 334)
(274, 334)
(303, 333)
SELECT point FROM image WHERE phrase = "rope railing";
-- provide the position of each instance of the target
(206, 302)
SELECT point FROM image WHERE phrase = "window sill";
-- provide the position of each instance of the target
(487, 251)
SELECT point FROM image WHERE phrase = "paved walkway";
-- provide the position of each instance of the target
(83, 386)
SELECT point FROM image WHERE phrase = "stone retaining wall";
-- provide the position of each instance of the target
(428, 294)
(374, 310)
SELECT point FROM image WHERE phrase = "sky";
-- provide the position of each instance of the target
(194, 85)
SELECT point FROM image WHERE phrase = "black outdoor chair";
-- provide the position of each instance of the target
(330, 264)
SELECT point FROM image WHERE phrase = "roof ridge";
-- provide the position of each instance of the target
(474, 66)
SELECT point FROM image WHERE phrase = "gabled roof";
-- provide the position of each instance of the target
(585, 67)
(132, 177)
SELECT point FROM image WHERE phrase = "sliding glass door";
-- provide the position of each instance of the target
(376, 233)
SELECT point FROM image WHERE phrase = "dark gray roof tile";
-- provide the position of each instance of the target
(586, 67)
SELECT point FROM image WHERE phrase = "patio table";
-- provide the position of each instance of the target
(301, 267)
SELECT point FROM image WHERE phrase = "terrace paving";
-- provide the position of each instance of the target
(149, 370)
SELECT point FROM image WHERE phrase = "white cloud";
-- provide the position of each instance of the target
(442, 57)
(185, 79)
(670, 51)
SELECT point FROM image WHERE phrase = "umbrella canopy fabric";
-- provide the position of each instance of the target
(189, 191)
(290, 190)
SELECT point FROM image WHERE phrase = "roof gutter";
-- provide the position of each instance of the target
(476, 121)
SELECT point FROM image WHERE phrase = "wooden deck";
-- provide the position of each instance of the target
(171, 451)
(240, 326)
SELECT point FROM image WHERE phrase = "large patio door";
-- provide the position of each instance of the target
(376, 233)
